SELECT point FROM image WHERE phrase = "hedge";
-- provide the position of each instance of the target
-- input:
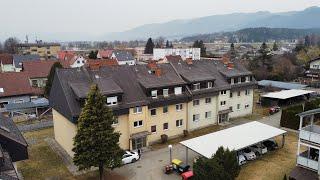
(289, 118)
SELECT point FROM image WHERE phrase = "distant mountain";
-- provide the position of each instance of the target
(255, 35)
(305, 19)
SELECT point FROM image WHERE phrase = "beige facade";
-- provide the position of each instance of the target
(43, 50)
(241, 105)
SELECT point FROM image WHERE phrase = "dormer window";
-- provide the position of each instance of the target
(247, 78)
(165, 92)
(239, 80)
(1, 90)
(196, 86)
(232, 81)
(111, 101)
(154, 94)
(177, 90)
(209, 85)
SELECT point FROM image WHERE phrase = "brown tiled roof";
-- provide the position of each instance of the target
(6, 58)
(36, 69)
(16, 83)
(96, 64)
(174, 58)
(105, 53)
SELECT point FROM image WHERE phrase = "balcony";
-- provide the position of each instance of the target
(303, 160)
(311, 134)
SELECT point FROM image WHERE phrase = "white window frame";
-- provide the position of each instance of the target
(223, 103)
(194, 102)
(209, 85)
(247, 92)
(180, 123)
(165, 92)
(167, 126)
(153, 132)
(238, 106)
(196, 117)
(139, 122)
(135, 110)
(208, 113)
(179, 107)
(178, 90)
(112, 101)
(154, 94)
(246, 106)
(223, 92)
(154, 110)
(18, 101)
(196, 86)
(209, 101)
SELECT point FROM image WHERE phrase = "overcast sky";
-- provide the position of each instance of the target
(20, 17)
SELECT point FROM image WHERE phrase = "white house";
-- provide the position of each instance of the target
(193, 53)
(123, 57)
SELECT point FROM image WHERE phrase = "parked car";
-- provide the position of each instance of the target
(271, 144)
(258, 149)
(274, 109)
(241, 159)
(248, 154)
(130, 157)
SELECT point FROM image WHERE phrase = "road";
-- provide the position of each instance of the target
(150, 166)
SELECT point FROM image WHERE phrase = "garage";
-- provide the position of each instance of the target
(234, 138)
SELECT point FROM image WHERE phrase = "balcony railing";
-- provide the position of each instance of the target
(309, 163)
(310, 133)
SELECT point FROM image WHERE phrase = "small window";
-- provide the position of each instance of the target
(177, 90)
(34, 83)
(196, 86)
(78, 62)
(179, 123)
(138, 123)
(3, 103)
(208, 100)
(231, 108)
(247, 92)
(165, 109)
(165, 126)
(137, 109)
(196, 102)
(19, 101)
(208, 114)
(154, 94)
(239, 93)
(231, 94)
(238, 106)
(223, 103)
(179, 107)
(153, 129)
(153, 112)
(112, 101)
(196, 117)
(223, 92)
(246, 106)
(165, 92)
(209, 85)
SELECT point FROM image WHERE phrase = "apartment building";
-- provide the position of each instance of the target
(185, 53)
(151, 100)
(44, 50)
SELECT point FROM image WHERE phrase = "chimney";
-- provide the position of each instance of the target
(189, 61)
(158, 72)
(225, 59)
(152, 65)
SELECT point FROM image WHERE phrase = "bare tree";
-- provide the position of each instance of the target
(10, 45)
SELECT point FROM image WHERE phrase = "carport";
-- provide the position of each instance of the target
(285, 97)
(234, 138)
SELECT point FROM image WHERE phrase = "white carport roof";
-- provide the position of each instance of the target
(285, 94)
(235, 138)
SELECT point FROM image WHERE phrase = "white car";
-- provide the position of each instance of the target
(130, 157)
(258, 149)
(241, 160)
(248, 154)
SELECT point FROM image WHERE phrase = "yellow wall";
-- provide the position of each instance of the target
(64, 131)
(170, 117)
(42, 51)
(123, 128)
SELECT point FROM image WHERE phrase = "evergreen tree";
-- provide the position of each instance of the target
(50, 78)
(232, 51)
(93, 54)
(157, 45)
(96, 144)
(149, 47)
(222, 166)
(275, 47)
(200, 44)
(167, 44)
(171, 45)
(285, 177)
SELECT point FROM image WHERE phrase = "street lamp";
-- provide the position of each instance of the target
(170, 150)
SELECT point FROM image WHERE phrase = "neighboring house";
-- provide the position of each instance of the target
(314, 68)
(25, 86)
(73, 61)
(6, 63)
(104, 54)
(308, 156)
(19, 58)
(123, 57)
(44, 50)
(170, 58)
(13, 148)
(96, 64)
(63, 54)
(154, 99)
(193, 53)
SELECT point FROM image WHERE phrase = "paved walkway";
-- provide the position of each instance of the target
(150, 166)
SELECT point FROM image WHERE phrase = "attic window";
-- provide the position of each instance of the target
(4, 128)
(97, 76)
(1, 90)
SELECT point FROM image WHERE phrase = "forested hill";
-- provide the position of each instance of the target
(255, 35)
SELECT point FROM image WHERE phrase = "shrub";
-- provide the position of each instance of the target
(289, 118)
(185, 133)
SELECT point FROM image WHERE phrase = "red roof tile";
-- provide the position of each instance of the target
(96, 64)
(6, 58)
(63, 54)
(173, 58)
(37, 68)
(105, 53)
